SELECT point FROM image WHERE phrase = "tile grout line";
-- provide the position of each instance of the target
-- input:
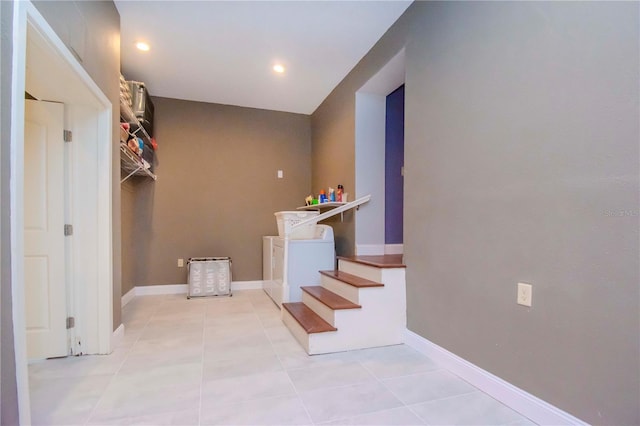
(113, 376)
(380, 380)
(408, 406)
(480, 390)
(286, 372)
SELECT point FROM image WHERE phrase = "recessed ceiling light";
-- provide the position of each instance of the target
(142, 46)
(278, 68)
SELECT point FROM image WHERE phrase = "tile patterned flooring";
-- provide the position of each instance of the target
(231, 361)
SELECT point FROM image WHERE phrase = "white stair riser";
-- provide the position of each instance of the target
(358, 269)
(357, 332)
(387, 301)
(383, 305)
(383, 311)
(296, 329)
(380, 322)
(319, 308)
(365, 322)
(378, 275)
(394, 277)
(340, 288)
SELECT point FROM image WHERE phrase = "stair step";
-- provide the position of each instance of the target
(309, 320)
(329, 298)
(350, 279)
(381, 261)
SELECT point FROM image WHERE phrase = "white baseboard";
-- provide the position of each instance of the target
(393, 248)
(530, 406)
(128, 297)
(369, 249)
(117, 336)
(378, 249)
(154, 290)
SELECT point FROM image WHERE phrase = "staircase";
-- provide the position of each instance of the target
(361, 305)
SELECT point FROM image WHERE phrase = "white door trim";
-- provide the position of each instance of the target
(99, 291)
(370, 111)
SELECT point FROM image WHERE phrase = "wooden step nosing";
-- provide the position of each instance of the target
(325, 303)
(333, 275)
(362, 260)
(330, 327)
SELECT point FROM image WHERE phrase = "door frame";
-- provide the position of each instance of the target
(370, 110)
(94, 298)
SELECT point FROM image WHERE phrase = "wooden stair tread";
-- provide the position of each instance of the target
(329, 298)
(381, 261)
(351, 279)
(309, 320)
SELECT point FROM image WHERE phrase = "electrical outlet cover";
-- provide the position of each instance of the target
(525, 293)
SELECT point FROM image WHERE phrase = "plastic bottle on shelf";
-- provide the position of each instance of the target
(322, 198)
(339, 193)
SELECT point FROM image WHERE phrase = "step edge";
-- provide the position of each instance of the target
(286, 306)
(373, 264)
(354, 305)
(331, 274)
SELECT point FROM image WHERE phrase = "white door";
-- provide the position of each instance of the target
(44, 246)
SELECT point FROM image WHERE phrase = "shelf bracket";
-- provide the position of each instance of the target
(130, 174)
(134, 162)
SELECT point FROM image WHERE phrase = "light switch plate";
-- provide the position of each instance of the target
(280, 174)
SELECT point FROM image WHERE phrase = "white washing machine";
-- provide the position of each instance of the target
(296, 263)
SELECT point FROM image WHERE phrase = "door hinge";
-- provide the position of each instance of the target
(68, 230)
(71, 322)
(67, 135)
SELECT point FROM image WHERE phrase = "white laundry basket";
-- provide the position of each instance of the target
(286, 219)
(209, 276)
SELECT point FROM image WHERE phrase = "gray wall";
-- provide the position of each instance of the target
(333, 131)
(521, 164)
(8, 389)
(217, 188)
(129, 234)
(91, 29)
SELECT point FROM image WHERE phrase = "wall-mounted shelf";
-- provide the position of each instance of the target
(126, 113)
(322, 206)
(332, 210)
(132, 165)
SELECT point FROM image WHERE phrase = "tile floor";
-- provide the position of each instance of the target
(231, 361)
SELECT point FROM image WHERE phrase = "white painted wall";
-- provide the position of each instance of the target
(370, 125)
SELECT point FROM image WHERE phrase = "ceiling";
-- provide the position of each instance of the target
(224, 51)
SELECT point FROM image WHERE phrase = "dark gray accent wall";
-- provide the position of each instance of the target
(521, 165)
(393, 165)
(217, 187)
(91, 30)
(9, 414)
